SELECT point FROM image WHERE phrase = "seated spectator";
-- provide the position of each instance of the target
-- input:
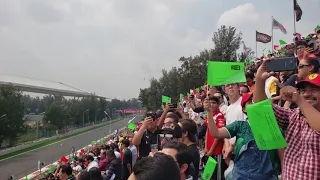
(95, 174)
(83, 175)
(91, 162)
(103, 163)
(114, 167)
(66, 172)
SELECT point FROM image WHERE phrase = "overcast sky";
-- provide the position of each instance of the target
(113, 47)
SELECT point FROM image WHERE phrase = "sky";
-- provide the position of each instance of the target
(113, 47)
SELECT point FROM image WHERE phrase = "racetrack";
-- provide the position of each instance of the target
(27, 163)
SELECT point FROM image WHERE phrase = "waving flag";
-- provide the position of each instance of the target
(264, 38)
(297, 10)
(277, 25)
(245, 48)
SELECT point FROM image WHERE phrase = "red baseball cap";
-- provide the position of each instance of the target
(246, 98)
(312, 79)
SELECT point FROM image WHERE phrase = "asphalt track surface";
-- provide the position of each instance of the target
(27, 163)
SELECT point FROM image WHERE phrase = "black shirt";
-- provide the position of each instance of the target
(147, 139)
(127, 159)
(195, 158)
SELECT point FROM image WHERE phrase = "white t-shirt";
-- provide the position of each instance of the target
(223, 109)
(271, 86)
(234, 112)
(92, 164)
(133, 149)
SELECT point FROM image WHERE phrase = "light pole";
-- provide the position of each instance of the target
(83, 116)
(106, 114)
(95, 116)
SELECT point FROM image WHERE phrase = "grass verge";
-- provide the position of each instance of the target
(21, 151)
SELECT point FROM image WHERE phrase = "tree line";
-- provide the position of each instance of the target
(193, 70)
(59, 112)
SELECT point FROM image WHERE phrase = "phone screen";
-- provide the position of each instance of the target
(282, 64)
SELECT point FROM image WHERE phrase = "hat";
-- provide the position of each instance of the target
(312, 79)
(173, 128)
(245, 98)
(121, 139)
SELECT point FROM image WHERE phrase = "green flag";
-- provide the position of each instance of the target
(181, 96)
(26, 178)
(197, 90)
(263, 50)
(221, 73)
(264, 126)
(166, 99)
(282, 42)
(318, 27)
(209, 168)
(188, 94)
(131, 126)
(94, 142)
(283, 53)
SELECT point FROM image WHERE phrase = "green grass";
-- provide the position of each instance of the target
(21, 151)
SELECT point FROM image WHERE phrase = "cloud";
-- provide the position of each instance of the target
(242, 14)
(113, 47)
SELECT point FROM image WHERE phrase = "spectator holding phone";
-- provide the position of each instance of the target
(147, 135)
(301, 158)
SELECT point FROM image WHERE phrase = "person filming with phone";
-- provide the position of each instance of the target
(147, 136)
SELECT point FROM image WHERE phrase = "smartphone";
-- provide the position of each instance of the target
(152, 115)
(174, 105)
(282, 64)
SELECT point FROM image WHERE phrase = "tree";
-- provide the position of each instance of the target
(226, 42)
(11, 114)
(246, 56)
(193, 70)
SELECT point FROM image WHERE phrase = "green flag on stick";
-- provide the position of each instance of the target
(131, 126)
(221, 73)
(166, 99)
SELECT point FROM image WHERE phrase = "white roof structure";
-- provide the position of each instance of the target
(42, 86)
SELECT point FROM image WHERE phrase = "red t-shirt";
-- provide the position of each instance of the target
(220, 122)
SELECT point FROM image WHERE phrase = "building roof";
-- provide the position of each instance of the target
(43, 86)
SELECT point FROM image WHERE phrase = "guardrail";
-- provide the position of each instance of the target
(34, 175)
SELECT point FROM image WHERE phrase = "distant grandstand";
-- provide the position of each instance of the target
(44, 87)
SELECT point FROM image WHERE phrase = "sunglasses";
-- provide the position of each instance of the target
(300, 66)
(166, 136)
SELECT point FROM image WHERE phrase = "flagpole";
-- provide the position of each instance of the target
(294, 18)
(272, 33)
(256, 48)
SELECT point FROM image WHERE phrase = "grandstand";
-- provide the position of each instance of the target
(44, 87)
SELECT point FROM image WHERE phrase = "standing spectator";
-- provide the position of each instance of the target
(189, 130)
(134, 151)
(147, 135)
(301, 157)
(214, 146)
(127, 159)
(158, 167)
(222, 105)
(178, 151)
